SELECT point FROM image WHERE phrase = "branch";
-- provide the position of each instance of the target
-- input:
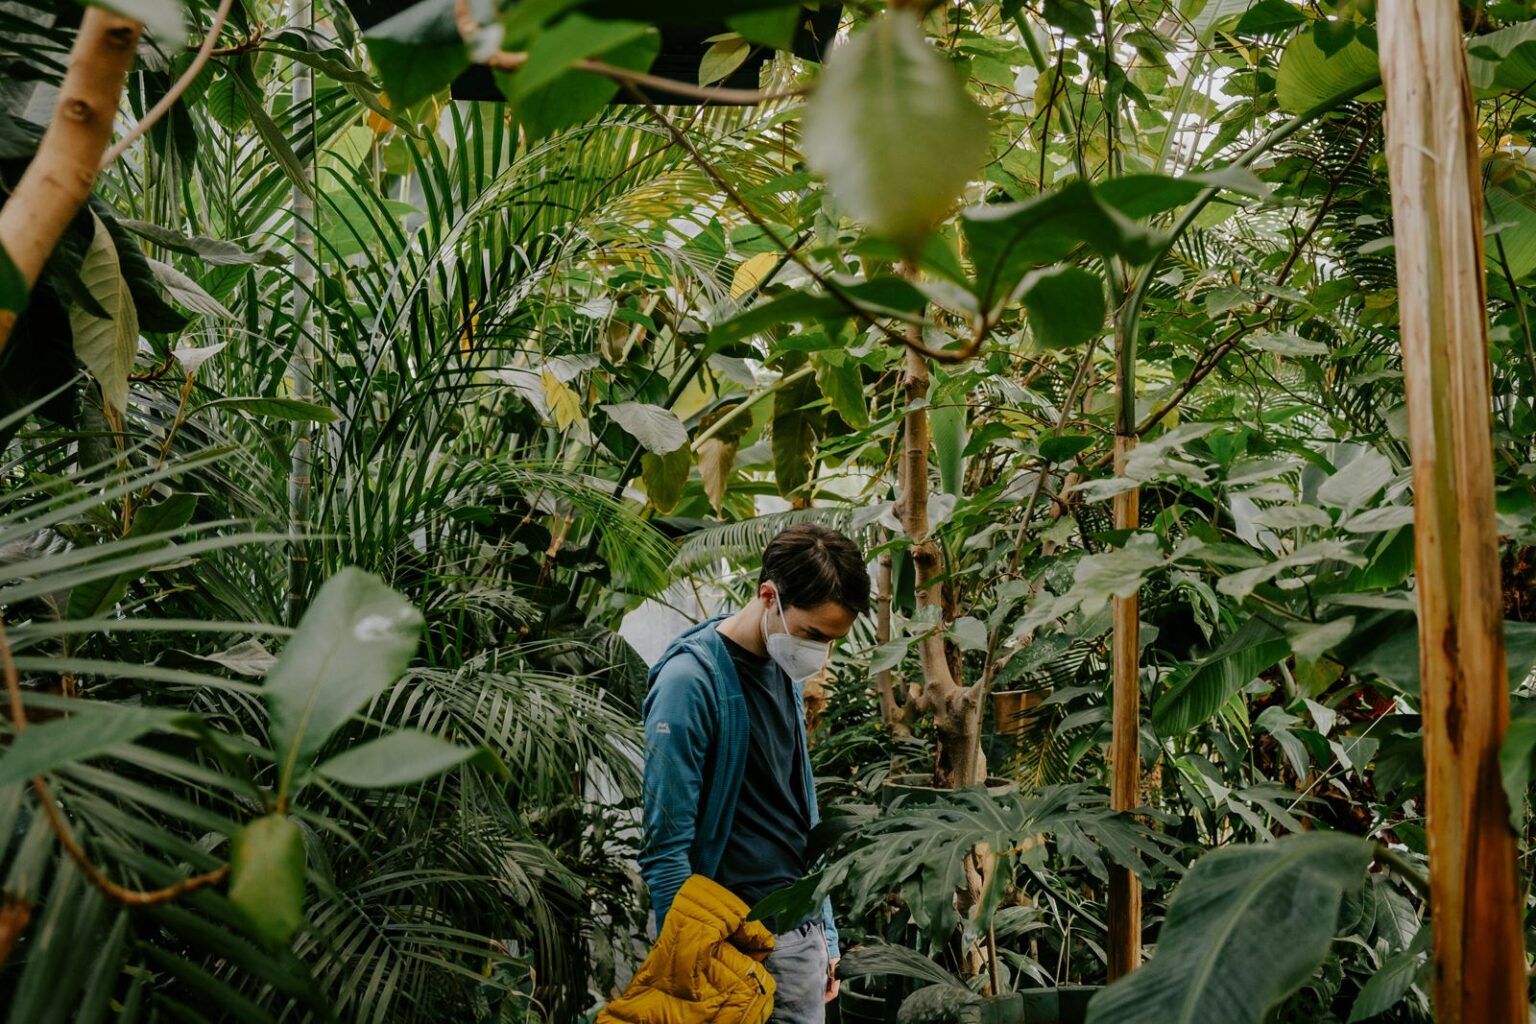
(910, 338)
(503, 60)
(61, 175)
(511, 61)
(109, 888)
(172, 94)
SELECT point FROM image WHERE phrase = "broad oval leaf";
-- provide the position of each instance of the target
(266, 877)
(891, 129)
(722, 59)
(400, 758)
(1309, 78)
(107, 346)
(1065, 306)
(658, 430)
(1246, 927)
(418, 51)
(355, 640)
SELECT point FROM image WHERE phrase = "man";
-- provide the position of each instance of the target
(728, 787)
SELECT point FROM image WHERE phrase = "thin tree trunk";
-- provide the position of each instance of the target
(955, 708)
(1432, 157)
(62, 173)
(302, 364)
(1125, 742)
(893, 710)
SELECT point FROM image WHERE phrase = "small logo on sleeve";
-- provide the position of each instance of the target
(663, 728)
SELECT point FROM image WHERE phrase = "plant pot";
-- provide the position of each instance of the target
(1007, 1008)
(1067, 1004)
(1014, 710)
(919, 789)
(855, 1006)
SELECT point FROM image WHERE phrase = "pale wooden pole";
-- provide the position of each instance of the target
(1125, 740)
(61, 175)
(1437, 203)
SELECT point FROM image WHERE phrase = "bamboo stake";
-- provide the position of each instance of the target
(1432, 158)
(1125, 742)
(302, 363)
(61, 175)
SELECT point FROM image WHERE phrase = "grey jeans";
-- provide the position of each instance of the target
(798, 964)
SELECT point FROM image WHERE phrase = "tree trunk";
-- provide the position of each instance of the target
(955, 708)
(62, 173)
(1125, 742)
(1432, 157)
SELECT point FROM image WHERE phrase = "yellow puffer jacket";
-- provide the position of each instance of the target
(707, 965)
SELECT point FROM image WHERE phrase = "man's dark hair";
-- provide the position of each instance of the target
(811, 565)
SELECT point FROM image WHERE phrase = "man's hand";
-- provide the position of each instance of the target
(833, 982)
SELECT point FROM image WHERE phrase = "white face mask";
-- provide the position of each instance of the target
(798, 657)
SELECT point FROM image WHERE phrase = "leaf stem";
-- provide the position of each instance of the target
(1399, 865)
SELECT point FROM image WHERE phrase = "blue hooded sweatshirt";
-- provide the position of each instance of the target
(695, 757)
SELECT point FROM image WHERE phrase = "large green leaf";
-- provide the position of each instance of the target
(400, 758)
(266, 877)
(548, 95)
(1504, 59)
(1255, 646)
(418, 52)
(892, 130)
(355, 640)
(1008, 240)
(843, 387)
(1065, 306)
(1387, 986)
(1245, 928)
(107, 346)
(89, 731)
(657, 429)
(1308, 77)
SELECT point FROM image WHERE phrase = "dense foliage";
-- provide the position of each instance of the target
(350, 420)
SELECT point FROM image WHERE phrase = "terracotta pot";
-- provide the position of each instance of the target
(1013, 710)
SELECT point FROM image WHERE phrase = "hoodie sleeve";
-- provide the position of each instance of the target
(679, 725)
(833, 950)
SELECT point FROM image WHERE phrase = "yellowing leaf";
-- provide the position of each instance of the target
(751, 272)
(716, 458)
(665, 477)
(564, 404)
(266, 877)
(106, 346)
